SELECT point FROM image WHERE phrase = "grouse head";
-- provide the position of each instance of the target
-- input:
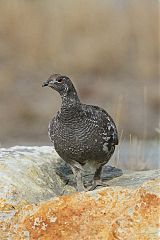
(60, 83)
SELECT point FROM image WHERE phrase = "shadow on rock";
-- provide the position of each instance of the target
(64, 171)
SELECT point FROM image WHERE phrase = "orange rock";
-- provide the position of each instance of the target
(108, 213)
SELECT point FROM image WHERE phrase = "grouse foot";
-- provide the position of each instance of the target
(97, 183)
(97, 179)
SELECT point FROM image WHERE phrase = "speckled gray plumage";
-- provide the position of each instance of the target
(82, 134)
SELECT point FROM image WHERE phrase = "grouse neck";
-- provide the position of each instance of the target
(70, 101)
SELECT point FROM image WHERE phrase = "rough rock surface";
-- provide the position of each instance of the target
(30, 173)
(31, 178)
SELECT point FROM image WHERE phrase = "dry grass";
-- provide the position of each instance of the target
(136, 155)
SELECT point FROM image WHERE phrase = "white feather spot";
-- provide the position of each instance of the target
(109, 128)
(105, 147)
(104, 133)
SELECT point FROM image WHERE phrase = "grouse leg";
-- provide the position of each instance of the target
(77, 172)
(97, 179)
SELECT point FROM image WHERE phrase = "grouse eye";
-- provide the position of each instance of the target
(59, 80)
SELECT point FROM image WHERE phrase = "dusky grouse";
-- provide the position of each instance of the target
(83, 135)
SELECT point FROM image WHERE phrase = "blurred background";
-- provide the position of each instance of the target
(108, 48)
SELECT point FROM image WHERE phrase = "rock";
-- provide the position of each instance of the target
(31, 180)
(108, 213)
(30, 173)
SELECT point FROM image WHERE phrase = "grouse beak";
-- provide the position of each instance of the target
(45, 83)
